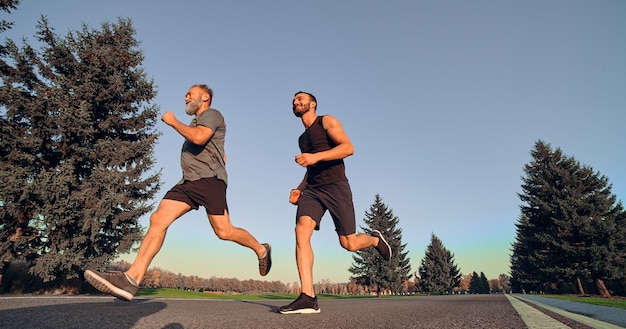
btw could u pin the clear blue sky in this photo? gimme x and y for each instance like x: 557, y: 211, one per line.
x: 443, y: 101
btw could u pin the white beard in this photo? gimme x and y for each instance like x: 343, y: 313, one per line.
x: 192, y: 107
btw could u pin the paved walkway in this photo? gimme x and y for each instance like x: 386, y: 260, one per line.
x: 591, y: 315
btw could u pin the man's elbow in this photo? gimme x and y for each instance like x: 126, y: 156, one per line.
x: 198, y: 140
x: 349, y: 150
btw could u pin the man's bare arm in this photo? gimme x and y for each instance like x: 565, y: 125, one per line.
x: 198, y: 135
x: 343, y: 149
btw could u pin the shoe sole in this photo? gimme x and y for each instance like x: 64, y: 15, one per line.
x: 301, y: 311
x: 106, y: 287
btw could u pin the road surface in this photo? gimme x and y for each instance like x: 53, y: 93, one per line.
x: 458, y: 311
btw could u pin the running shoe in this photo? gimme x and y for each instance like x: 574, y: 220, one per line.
x: 114, y: 283
x: 383, y: 247
x: 304, y: 304
x: 265, y: 263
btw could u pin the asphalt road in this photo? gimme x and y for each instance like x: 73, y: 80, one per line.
x: 466, y: 311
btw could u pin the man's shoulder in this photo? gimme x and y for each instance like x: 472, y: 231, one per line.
x: 211, y: 114
x: 328, y: 120
x: 213, y: 111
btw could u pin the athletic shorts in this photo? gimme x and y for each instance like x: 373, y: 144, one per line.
x: 207, y: 192
x: 336, y: 198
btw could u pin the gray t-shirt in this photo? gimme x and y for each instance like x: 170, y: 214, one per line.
x: 203, y: 161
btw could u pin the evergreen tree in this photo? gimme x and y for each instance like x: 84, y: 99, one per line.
x: 479, y: 284
x: 369, y: 268
x: 438, y: 271
x: 617, y: 257
x: 484, y: 284
x: 526, y: 276
x: 76, y: 149
x: 475, y: 286
x: 455, y: 272
x: 569, y: 232
x: 7, y: 6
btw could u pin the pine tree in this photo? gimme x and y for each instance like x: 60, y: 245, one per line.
x: 568, y: 234
x: 526, y: 274
x: 479, y: 284
x: 475, y: 284
x: 455, y: 273
x: 76, y: 143
x: 438, y: 271
x: 7, y: 6
x: 368, y: 268
x: 484, y: 283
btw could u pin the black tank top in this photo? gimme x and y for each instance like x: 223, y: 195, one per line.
x: 313, y: 140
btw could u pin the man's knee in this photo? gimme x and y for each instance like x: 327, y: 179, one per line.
x: 222, y: 226
x: 348, y: 242
x: 159, y: 222
x: 305, y: 226
x: 167, y: 212
x: 224, y: 233
x: 304, y: 230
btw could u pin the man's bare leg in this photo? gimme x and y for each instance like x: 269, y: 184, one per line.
x: 120, y: 284
x: 167, y: 212
x: 354, y: 242
x: 225, y: 230
x: 304, y: 253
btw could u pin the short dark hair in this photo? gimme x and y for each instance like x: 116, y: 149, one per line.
x: 310, y: 95
x: 205, y: 88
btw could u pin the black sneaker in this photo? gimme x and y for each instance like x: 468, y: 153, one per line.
x: 383, y: 247
x: 304, y: 304
x: 114, y: 283
x: 265, y: 263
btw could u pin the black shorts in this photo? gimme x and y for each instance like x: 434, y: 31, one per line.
x: 336, y: 198
x: 207, y: 192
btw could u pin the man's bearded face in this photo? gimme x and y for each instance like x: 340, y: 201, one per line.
x: 300, y: 109
x: 193, y: 106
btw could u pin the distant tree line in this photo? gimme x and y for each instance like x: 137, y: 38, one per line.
x: 159, y: 278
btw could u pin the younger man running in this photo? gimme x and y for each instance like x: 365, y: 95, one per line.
x: 324, y: 145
